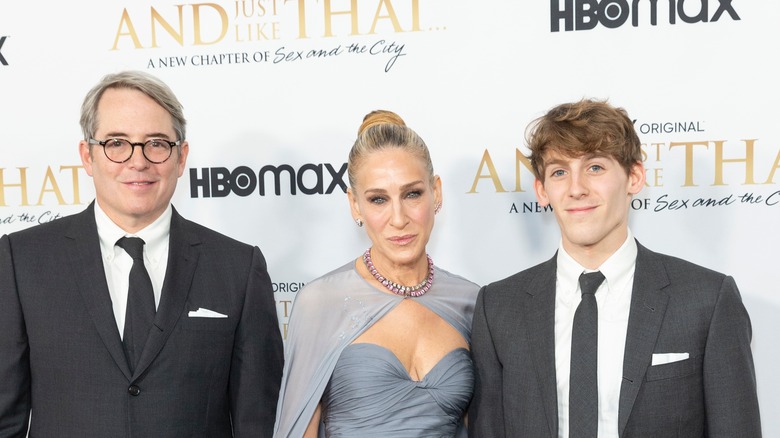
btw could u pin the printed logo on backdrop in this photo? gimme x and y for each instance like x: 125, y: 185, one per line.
x: 704, y: 172
x: 3, y: 61
x: 31, y: 196
x: 244, y: 32
x: 589, y: 14
x: 308, y: 179
x: 285, y: 295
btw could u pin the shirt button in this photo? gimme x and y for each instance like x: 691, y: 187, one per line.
x: 134, y: 390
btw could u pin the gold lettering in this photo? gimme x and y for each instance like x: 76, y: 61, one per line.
x: 493, y: 175
x: 415, y: 16
x: 285, y: 306
x: 521, y: 159
x: 156, y: 17
x: 301, y: 19
x: 49, y: 179
x: 775, y: 166
x: 125, y: 20
x: 22, y: 185
x: 719, y: 161
x: 199, y: 41
x: 329, y: 13
x: 654, y: 178
x: 74, y: 172
x: 390, y: 15
x: 688, y: 158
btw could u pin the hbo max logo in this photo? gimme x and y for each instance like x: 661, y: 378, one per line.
x: 309, y: 179
x: 587, y: 14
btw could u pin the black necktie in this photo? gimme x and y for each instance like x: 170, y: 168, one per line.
x: 583, y: 381
x: 140, y: 302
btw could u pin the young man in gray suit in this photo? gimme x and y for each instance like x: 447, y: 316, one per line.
x: 127, y: 320
x: 663, y: 347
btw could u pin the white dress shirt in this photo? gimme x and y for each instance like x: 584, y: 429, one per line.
x: 614, y: 301
x: 117, y: 263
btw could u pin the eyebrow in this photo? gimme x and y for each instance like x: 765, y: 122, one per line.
x: 403, y: 187
x: 586, y: 157
x: 150, y: 135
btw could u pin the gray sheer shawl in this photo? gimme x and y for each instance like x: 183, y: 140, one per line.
x: 333, y: 310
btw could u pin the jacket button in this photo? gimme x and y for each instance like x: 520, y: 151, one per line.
x: 134, y: 390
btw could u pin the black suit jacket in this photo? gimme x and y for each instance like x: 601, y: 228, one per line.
x: 61, y: 354
x: 676, y: 307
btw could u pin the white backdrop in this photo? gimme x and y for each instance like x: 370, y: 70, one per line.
x: 286, y: 83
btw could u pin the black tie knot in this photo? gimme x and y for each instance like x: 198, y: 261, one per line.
x: 590, y: 282
x: 133, y: 246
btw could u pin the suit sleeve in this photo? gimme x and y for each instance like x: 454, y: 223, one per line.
x: 729, y: 376
x: 486, y: 413
x: 256, y: 370
x: 14, y: 352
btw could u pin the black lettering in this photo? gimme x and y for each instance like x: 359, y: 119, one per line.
x: 196, y: 182
x: 556, y: 15
x: 220, y: 182
x: 725, y: 6
x: 317, y: 169
x: 701, y: 17
x: 586, y: 12
x: 338, y: 178
x: 277, y: 171
x: 2, y: 58
x: 613, y: 13
x: 773, y: 198
x: 243, y: 181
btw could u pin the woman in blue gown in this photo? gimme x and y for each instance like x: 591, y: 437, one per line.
x: 380, y: 346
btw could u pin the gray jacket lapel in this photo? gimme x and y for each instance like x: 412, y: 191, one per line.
x: 182, y: 260
x: 86, y: 262
x: 648, y: 305
x: 542, y: 341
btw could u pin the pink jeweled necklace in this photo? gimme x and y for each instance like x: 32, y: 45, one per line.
x: 406, y: 291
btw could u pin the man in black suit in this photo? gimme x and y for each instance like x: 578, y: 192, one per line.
x: 607, y: 338
x: 177, y: 337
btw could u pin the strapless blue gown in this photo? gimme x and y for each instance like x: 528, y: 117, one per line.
x: 370, y: 394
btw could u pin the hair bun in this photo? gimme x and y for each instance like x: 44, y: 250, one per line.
x: 379, y: 117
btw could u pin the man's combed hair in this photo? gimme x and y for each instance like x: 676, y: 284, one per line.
x: 136, y: 80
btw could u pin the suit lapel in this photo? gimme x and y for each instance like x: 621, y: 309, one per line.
x: 182, y: 260
x: 541, y: 313
x: 87, y: 262
x: 648, y: 305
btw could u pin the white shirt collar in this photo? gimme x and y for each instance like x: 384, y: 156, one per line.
x: 155, y: 235
x: 616, y: 269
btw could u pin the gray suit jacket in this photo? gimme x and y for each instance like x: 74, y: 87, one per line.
x: 61, y: 354
x: 676, y: 307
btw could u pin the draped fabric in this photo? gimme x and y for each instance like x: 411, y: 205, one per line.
x: 371, y: 394
x: 331, y: 312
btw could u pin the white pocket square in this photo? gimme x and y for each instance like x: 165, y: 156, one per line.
x: 205, y: 313
x: 663, y: 358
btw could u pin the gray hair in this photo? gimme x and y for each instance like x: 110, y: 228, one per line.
x: 136, y: 80
x: 384, y: 134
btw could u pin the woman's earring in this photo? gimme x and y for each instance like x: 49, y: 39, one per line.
x: 438, y: 208
x: 359, y: 222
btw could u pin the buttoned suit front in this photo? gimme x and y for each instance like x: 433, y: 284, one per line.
x: 61, y: 354
x: 676, y: 307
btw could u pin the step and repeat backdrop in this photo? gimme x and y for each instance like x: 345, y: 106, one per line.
x: 274, y: 91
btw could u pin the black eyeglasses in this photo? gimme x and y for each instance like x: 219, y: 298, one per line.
x: 119, y: 150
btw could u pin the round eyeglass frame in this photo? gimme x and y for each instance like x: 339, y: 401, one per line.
x: 143, y: 145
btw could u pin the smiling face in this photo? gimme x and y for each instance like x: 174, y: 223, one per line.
x: 590, y: 196
x: 395, y: 198
x: 134, y: 193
